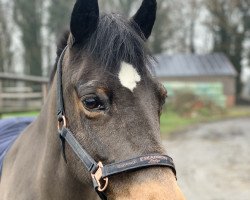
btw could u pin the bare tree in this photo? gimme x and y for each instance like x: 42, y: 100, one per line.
x: 164, y: 29
x: 27, y: 15
x: 245, y: 10
x: 171, y: 29
x: 230, y: 27
x: 193, y: 9
x: 6, y: 55
x: 59, y: 16
x: 58, y: 19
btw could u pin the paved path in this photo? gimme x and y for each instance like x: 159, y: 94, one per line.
x: 213, y: 160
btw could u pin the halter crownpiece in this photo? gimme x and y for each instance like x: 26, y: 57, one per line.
x: 98, y: 172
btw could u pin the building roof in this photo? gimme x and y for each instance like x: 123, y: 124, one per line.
x: 186, y: 65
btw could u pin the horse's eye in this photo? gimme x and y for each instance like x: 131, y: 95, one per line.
x: 93, y: 103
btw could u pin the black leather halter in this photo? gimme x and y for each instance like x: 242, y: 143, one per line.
x: 98, y: 172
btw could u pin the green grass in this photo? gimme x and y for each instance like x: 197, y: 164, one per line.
x: 21, y: 114
x: 172, y: 122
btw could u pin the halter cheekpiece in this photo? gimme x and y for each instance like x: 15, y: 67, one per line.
x: 98, y: 172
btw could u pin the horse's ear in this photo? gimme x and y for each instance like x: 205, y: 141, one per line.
x: 145, y: 17
x: 84, y: 19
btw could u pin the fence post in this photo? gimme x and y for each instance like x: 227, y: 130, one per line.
x: 33, y: 79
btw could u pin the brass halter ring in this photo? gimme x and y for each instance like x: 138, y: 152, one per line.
x: 97, y: 176
x: 62, y: 123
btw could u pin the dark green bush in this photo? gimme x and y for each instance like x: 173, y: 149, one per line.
x: 188, y: 104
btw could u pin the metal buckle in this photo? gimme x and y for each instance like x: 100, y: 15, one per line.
x: 61, y: 122
x: 97, y: 177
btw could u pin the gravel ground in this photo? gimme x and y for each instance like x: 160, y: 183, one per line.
x: 213, y: 160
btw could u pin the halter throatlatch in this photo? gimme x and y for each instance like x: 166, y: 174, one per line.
x: 99, y: 172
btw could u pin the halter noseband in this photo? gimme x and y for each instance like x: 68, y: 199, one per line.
x: 98, y: 172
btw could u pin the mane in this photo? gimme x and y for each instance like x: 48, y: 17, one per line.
x: 116, y: 39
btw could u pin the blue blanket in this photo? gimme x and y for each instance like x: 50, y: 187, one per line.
x: 10, y: 129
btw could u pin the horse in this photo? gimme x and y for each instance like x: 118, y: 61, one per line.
x: 104, y: 104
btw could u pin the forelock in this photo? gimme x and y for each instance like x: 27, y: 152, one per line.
x: 116, y: 40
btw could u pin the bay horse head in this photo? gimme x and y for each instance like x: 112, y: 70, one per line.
x: 109, y: 108
x: 112, y: 101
